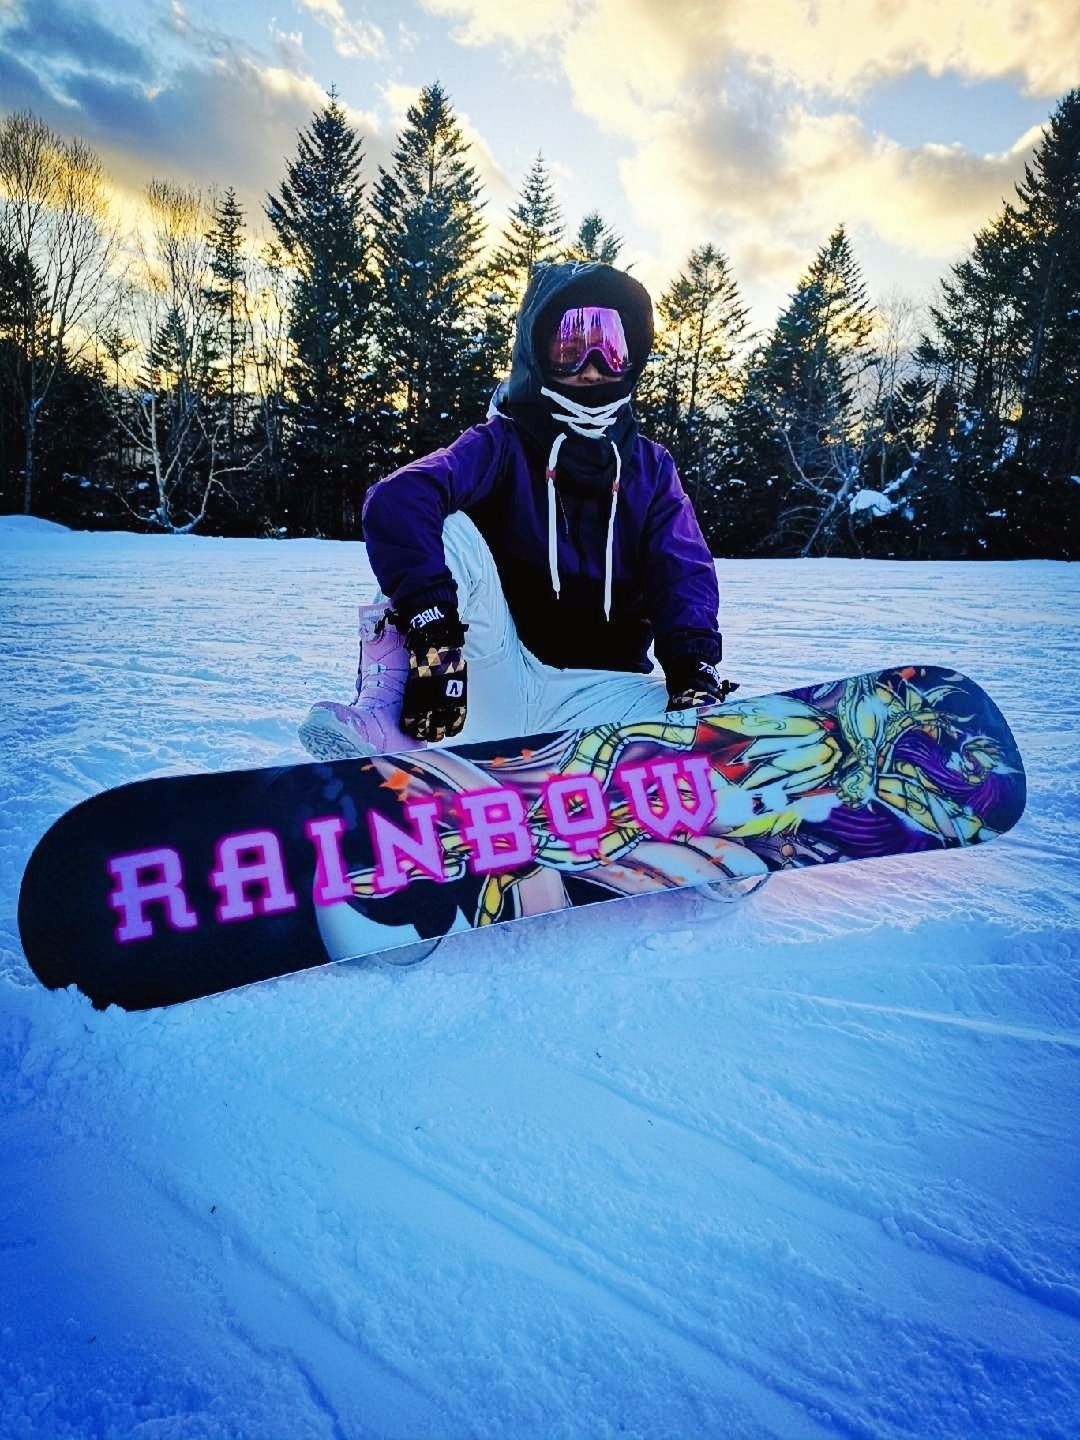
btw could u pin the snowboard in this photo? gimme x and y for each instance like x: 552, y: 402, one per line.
x: 173, y: 888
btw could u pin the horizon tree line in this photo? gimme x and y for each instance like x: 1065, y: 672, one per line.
x: 210, y: 383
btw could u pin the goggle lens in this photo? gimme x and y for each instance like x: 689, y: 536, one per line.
x: 590, y: 330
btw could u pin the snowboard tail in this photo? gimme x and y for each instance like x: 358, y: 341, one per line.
x: 169, y: 889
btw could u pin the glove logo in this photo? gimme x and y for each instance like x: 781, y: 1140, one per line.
x: 455, y: 689
x: 426, y: 617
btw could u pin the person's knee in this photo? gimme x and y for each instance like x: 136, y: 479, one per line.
x: 471, y: 563
x: 466, y: 550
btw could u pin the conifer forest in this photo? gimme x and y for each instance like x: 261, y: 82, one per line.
x: 232, y: 374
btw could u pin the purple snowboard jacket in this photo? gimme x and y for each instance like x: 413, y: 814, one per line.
x: 656, y: 564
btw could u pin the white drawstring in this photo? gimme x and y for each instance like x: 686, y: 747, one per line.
x: 609, y: 548
x: 593, y: 422
x: 553, y: 532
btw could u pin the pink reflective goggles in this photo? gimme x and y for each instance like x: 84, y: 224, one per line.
x: 590, y: 330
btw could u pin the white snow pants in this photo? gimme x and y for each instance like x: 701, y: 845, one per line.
x: 511, y: 692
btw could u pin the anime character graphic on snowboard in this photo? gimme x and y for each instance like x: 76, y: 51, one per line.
x: 896, y: 762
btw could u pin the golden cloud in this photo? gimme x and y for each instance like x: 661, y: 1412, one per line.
x: 770, y: 198
x: 835, y: 46
x: 844, y: 46
x: 741, y: 116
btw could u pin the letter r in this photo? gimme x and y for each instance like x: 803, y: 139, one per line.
x: 146, y: 877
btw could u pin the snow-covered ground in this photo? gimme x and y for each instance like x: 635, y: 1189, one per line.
x: 803, y: 1165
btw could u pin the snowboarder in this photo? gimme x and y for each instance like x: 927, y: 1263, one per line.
x: 554, y: 534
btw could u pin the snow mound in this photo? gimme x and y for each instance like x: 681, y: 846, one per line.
x: 31, y: 525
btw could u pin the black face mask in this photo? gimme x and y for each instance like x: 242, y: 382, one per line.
x: 585, y: 463
x: 600, y: 394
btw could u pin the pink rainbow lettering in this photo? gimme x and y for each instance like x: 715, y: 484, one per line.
x: 665, y: 796
x: 135, y: 889
x: 392, y: 845
x: 658, y: 781
x: 575, y: 805
x: 496, y: 832
x: 252, y: 858
x: 332, y: 881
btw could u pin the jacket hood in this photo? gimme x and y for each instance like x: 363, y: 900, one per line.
x: 555, y: 288
x: 585, y: 433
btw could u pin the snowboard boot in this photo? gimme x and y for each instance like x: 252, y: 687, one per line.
x: 369, y: 726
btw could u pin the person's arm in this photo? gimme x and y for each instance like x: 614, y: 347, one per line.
x: 403, y: 522
x: 683, y: 597
x: 404, y: 515
x: 682, y: 593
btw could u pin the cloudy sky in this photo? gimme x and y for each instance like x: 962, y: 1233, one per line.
x: 758, y: 125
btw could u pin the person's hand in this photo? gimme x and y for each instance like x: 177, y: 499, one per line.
x: 692, y: 682
x: 436, y: 688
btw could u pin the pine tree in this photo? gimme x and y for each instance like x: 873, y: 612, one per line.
x: 226, y: 296
x: 1048, y: 213
x: 427, y: 235
x: 692, y: 380
x: 73, y: 435
x: 320, y: 220
x: 804, y: 388
x: 1003, y: 359
x: 532, y: 237
x: 534, y: 230
x: 595, y: 241
x: 22, y: 321
x: 971, y: 361
x: 978, y: 343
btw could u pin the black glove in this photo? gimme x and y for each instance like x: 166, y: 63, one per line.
x: 692, y: 681
x: 436, y: 687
